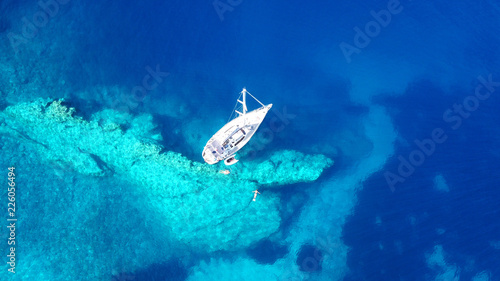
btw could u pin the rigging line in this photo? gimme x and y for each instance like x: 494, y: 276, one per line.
x: 255, y: 98
x: 235, y: 107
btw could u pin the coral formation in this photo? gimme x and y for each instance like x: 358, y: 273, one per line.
x: 187, y: 201
x: 287, y: 166
x: 240, y: 269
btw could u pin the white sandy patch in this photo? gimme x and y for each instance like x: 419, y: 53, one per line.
x: 440, y: 184
x: 444, y: 270
x: 482, y: 276
x: 323, y: 218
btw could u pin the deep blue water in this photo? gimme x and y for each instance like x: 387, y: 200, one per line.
x: 425, y: 59
x: 411, y: 215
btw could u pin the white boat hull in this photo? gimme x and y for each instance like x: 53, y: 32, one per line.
x: 233, y: 136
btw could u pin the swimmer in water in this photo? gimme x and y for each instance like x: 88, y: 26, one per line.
x: 255, y: 192
x: 225, y: 172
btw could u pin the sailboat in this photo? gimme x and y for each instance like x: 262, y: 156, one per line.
x: 236, y: 133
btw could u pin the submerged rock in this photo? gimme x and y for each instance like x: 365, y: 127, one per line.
x: 285, y: 167
x: 187, y: 201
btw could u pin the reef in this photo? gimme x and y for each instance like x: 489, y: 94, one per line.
x: 284, y: 167
x: 240, y: 269
x: 186, y: 201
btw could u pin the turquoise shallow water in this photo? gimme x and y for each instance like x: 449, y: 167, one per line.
x: 377, y: 162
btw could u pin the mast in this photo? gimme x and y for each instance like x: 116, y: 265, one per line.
x: 243, y: 102
x: 244, y: 92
